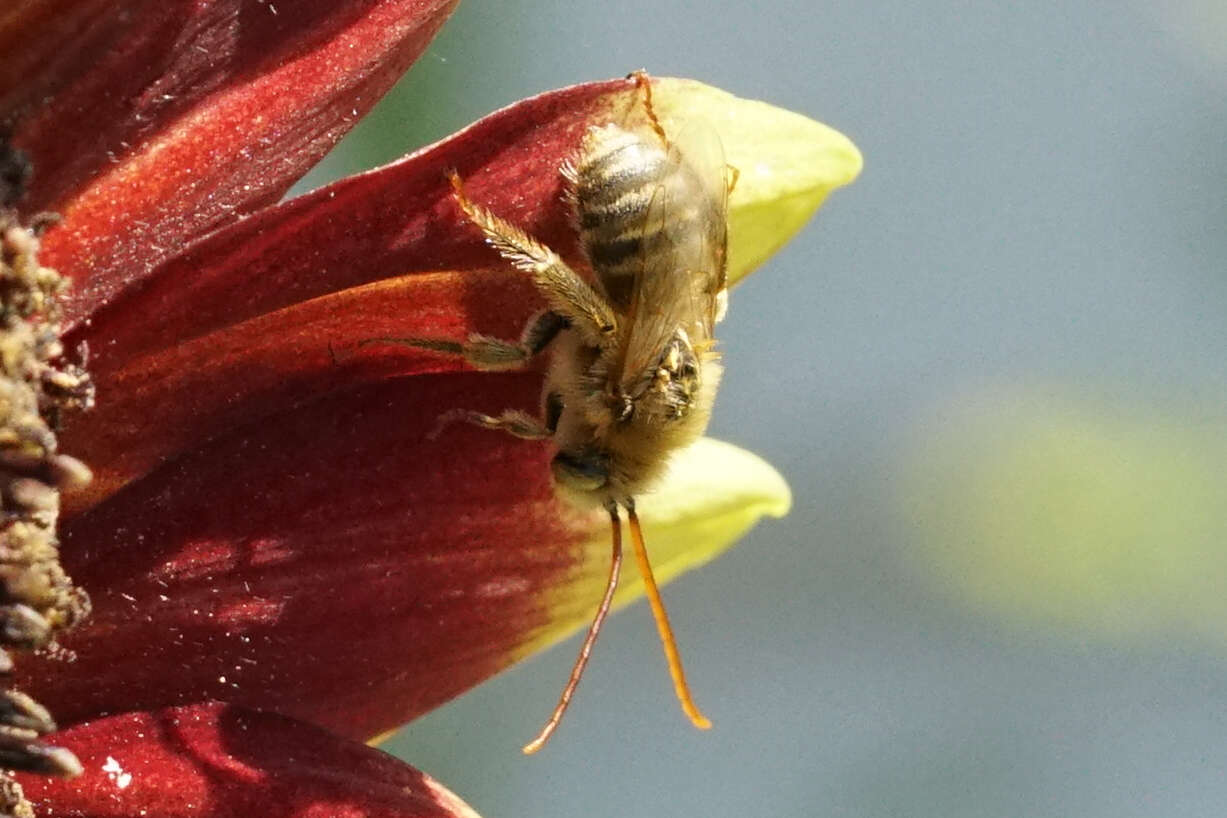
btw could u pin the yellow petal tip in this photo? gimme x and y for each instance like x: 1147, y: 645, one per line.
x: 710, y: 477
x: 787, y: 164
x: 711, y: 495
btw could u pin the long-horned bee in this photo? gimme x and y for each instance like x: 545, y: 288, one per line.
x: 634, y: 368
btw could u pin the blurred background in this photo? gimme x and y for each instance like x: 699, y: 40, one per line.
x: 993, y: 371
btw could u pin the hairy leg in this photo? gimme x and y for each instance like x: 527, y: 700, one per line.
x: 513, y: 422
x: 486, y: 352
x: 567, y: 293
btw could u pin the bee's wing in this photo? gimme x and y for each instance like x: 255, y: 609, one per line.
x: 682, y: 277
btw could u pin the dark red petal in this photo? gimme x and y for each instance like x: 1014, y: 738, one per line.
x: 332, y: 563
x: 153, y: 121
x: 171, y: 401
x: 218, y: 761
x: 396, y: 220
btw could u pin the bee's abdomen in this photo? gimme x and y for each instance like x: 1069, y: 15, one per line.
x: 616, y: 178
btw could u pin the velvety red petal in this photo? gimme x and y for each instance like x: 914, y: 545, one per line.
x: 333, y: 563
x: 218, y: 761
x: 173, y: 400
x: 151, y: 122
x: 396, y: 220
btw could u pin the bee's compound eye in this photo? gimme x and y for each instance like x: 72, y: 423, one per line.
x: 581, y: 472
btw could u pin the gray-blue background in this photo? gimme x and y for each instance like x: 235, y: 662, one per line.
x: 1037, y: 240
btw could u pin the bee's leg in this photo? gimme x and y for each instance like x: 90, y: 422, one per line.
x: 485, y: 352
x: 553, y: 411
x: 515, y: 423
x: 541, y: 331
x: 644, y: 84
x: 568, y: 294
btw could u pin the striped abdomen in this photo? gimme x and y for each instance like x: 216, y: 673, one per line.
x: 634, y: 197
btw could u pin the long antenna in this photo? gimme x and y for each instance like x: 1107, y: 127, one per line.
x: 581, y: 661
x: 667, y: 640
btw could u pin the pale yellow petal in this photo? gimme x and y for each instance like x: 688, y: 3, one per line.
x: 787, y: 163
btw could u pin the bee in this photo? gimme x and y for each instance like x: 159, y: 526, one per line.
x: 634, y: 368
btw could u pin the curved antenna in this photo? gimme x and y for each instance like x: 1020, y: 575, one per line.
x: 667, y: 640
x: 581, y: 661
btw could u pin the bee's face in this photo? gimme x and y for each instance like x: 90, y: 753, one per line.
x: 585, y: 472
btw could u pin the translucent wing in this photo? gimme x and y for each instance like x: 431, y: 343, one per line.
x: 682, y: 275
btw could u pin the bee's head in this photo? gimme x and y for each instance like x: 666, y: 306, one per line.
x: 584, y: 472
